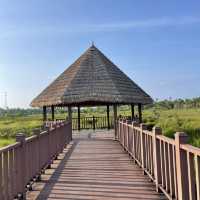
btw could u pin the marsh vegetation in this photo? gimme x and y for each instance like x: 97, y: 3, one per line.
x: 171, y: 116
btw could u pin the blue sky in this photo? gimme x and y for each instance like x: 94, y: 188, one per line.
x: 157, y: 43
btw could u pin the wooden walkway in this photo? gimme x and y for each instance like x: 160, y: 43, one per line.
x: 94, y: 168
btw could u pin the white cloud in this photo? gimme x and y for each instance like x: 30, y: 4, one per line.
x: 59, y: 28
x: 147, y: 23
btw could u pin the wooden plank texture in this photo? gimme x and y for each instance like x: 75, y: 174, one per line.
x: 97, y: 168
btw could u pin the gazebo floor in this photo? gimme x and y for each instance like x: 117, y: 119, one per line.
x: 94, y: 167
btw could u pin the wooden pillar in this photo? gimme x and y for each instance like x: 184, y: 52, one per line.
x: 52, y: 113
x: 181, y: 166
x: 79, y: 118
x: 115, y: 120
x: 70, y: 120
x: 108, y: 116
x: 69, y: 113
x: 44, y: 113
x: 140, y: 112
x: 93, y: 121
x: 132, y: 112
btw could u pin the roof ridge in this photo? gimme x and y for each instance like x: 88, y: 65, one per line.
x: 107, y: 68
x: 79, y: 67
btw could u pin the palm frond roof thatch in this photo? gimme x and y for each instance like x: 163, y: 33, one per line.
x: 92, y: 78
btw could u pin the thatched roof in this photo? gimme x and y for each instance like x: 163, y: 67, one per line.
x: 92, y: 79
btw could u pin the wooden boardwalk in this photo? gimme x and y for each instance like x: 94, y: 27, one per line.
x: 94, y: 168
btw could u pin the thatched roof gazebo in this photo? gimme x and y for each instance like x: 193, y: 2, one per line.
x: 92, y: 80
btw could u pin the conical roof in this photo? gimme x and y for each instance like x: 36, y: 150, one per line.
x: 92, y: 79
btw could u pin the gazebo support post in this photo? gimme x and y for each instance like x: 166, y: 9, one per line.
x: 132, y: 112
x: 70, y: 119
x: 115, y: 120
x: 52, y: 113
x: 140, y: 112
x: 79, y: 118
x: 108, y: 117
x: 44, y: 113
x: 69, y: 113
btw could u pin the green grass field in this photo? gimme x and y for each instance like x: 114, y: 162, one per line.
x: 187, y: 120
x: 10, y: 126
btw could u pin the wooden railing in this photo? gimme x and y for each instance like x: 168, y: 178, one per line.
x: 172, y: 164
x: 23, y: 162
x: 92, y: 123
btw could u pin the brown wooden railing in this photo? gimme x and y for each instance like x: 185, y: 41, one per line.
x: 22, y: 163
x: 92, y: 123
x: 172, y: 164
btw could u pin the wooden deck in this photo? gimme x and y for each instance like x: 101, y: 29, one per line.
x: 94, y: 167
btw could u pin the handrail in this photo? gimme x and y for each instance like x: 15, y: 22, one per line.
x: 24, y: 161
x: 92, y: 122
x: 172, y: 164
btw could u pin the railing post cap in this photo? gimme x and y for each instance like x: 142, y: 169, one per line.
x: 182, y: 137
x: 128, y: 121
x: 36, y: 131
x: 134, y: 123
x: 157, y: 130
x: 20, y: 137
x: 181, y: 134
x: 143, y: 126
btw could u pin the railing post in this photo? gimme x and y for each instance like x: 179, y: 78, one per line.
x: 143, y: 153
x: 93, y: 120
x: 21, y: 138
x: 79, y: 118
x: 108, y: 116
x: 124, y: 132
x: 181, y: 166
x: 156, y: 157
x: 44, y: 113
x: 134, y: 124
x: 127, y: 123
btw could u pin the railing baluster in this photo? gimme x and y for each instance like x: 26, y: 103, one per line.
x: 171, y: 171
x: 152, y: 157
x: 134, y: 141
x: 197, y: 167
x: 166, y: 163
x: 148, y: 154
x: 156, y: 154
x: 191, y: 176
x: 1, y: 177
x: 11, y: 174
x: 5, y: 174
x: 142, y: 143
x: 162, y: 163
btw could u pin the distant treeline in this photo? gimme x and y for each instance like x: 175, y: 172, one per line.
x: 19, y: 111
x: 178, y: 103
x: 164, y: 104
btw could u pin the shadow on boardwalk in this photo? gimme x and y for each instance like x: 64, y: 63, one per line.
x: 95, y: 168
